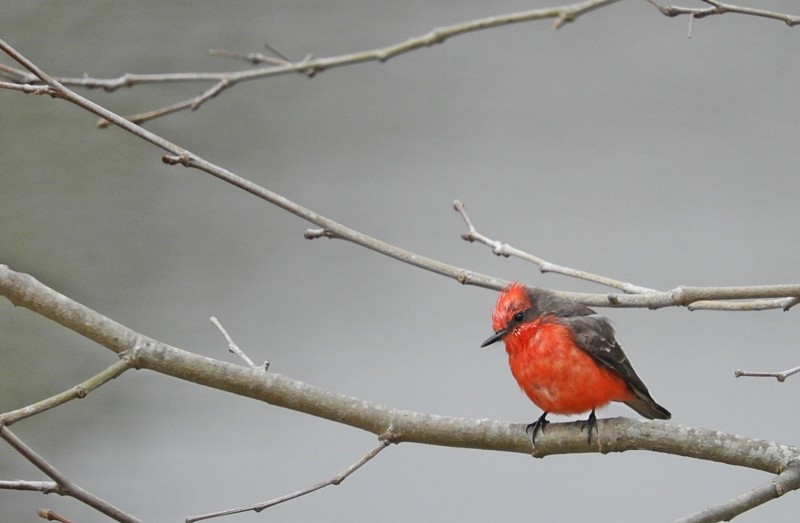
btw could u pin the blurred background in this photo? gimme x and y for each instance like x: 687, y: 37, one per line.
x: 615, y: 145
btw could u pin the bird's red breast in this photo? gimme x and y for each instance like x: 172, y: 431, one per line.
x: 556, y: 374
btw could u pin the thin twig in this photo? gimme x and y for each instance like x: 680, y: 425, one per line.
x: 45, y: 487
x: 780, y: 376
x: 787, y: 481
x: 719, y: 8
x: 51, y: 515
x: 26, y: 88
x: 692, y: 303
x: 680, y: 296
x: 335, y: 480
x: 252, y: 58
x: 310, y: 67
x: 504, y: 249
x: 17, y: 75
x: 76, y: 392
x: 68, y: 488
x: 233, y: 348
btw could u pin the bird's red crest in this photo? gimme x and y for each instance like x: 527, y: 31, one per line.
x: 512, y: 299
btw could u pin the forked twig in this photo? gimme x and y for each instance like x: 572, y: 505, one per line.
x: 780, y: 376
x: 309, y: 66
x: 66, y: 486
x: 720, y: 8
x: 745, y: 304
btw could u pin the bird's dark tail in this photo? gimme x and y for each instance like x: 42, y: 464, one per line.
x: 647, y: 407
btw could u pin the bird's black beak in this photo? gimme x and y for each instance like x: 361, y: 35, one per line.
x: 494, y: 338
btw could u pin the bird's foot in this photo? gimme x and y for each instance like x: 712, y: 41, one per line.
x: 536, y: 426
x: 592, y: 424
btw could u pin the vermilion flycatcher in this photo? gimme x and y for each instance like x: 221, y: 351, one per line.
x: 565, y: 358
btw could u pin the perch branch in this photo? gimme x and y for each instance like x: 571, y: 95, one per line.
x: 395, y: 425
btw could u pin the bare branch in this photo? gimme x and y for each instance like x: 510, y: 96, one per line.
x: 26, y: 88
x: 67, y: 487
x: 335, y: 480
x: 719, y: 8
x: 504, y: 249
x: 17, y: 75
x: 780, y: 376
x: 45, y: 487
x: 76, y: 392
x: 395, y: 425
x: 786, y: 481
x: 655, y: 299
x: 680, y: 296
x: 51, y: 515
x: 233, y: 348
x: 309, y: 66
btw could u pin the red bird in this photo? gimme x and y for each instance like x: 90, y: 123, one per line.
x: 565, y: 358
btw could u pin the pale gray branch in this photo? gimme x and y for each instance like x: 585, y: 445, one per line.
x: 66, y: 486
x: 45, y: 487
x: 504, y: 249
x: 308, y: 66
x: 311, y: 66
x: 780, y: 376
x: 335, y: 480
x: 720, y: 8
x: 232, y: 347
x: 787, y: 481
x: 680, y: 296
x: 389, y: 424
x: 76, y: 392
x: 694, y: 298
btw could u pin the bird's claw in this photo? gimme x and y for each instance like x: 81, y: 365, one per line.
x: 537, y: 426
x: 592, y: 424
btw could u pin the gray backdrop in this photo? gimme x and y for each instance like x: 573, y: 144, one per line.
x: 615, y: 145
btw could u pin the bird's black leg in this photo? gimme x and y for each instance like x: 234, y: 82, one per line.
x: 592, y: 424
x: 537, y: 426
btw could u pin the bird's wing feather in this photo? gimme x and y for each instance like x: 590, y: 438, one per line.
x: 595, y: 335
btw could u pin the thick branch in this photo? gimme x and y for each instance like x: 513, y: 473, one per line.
x: 390, y: 424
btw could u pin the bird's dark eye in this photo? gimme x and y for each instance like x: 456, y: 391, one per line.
x: 518, y: 317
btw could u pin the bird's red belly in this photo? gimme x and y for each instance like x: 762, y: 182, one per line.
x: 558, y: 376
